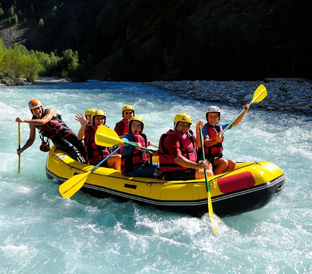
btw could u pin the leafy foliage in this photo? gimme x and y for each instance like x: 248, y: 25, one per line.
x: 23, y: 63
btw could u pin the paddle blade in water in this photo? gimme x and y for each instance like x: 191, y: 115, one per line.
x: 72, y: 185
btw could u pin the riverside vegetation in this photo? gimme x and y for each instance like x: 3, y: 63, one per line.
x: 18, y: 62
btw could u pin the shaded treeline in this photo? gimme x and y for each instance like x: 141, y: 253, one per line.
x: 144, y: 40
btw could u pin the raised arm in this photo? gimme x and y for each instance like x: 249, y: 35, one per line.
x: 83, y: 123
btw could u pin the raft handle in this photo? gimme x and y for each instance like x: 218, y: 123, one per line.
x: 279, y: 189
x: 130, y: 186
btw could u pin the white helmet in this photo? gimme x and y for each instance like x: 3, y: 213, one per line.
x: 213, y: 109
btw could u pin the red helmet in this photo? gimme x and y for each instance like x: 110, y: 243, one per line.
x: 34, y: 103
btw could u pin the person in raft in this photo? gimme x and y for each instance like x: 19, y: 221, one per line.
x: 213, y: 139
x: 51, y: 125
x: 96, y: 153
x: 134, y: 160
x: 87, y: 119
x: 122, y: 127
x: 177, y: 152
x: 88, y: 115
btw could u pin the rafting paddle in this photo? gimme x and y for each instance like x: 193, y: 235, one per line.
x: 210, y: 210
x: 259, y: 94
x: 19, y: 147
x: 107, y: 137
x: 72, y: 185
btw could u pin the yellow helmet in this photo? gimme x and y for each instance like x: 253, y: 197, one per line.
x: 127, y: 107
x: 89, y: 111
x: 182, y: 117
x: 34, y: 103
x: 139, y: 119
x: 98, y: 112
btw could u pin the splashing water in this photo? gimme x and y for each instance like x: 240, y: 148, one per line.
x: 43, y: 233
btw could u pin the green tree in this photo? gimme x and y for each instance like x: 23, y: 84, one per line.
x: 15, y: 19
x: 11, y: 11
x: 20, y: 48
x: 54, y: 11
x: 1, y: 52
x: 12, y: 61
x: 41, y: 23
x: 70, y: 60
x: 31, y: 66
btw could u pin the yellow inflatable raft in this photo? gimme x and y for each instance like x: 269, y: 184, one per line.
x: 250, y: 186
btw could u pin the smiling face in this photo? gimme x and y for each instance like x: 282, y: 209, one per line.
x: 128, y: 114
x: 213, y: 118
x: 136, y: 127
x: 37, y: 112
x: 99, y: 120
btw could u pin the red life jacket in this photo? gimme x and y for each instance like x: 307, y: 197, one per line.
x: 94, y: 152
x: 216, y: 149
x: 122, y: 127
x: 136, y: 158
x: 54, y: 128
x: 187, y: 147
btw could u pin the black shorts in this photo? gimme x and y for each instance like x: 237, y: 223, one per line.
x: 185, y: 174
x: 211, y: 160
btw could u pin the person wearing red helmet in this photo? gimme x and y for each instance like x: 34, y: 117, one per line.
x: 51, y: 125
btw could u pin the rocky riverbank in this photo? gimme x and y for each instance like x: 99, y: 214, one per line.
x: 8, y: 80
x: 293, y: 95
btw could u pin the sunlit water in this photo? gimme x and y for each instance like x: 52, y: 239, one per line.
x: 43, y: 233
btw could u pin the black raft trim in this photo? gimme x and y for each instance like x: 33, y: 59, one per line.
x: 130, y: 186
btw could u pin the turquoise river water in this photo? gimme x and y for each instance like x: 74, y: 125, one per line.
x: 40, y: 232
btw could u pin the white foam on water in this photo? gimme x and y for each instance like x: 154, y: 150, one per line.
x: 43, y: 233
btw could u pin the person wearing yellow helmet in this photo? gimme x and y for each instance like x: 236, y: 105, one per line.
x: 96, y: 153
x: 88, y: 113
x: 127, y: 113
x: 213, y: 139
x: 177, y: 152
x: 84, y: 121
x: 51, y: 126
x: 134, y: 161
